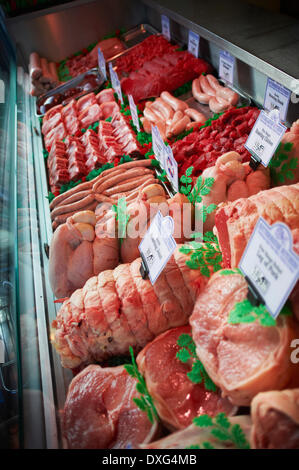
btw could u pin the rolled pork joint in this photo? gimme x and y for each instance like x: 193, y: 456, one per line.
x: 196, y: 436
x: 275, y: 420
x: 242, y: 359
x: 291, y: 137
x: 177, y: 399
x: 235, y: 221
x: 118, y: 309
x: 100, y: 413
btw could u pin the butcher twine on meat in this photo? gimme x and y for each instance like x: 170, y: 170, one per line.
x: 118, y: 309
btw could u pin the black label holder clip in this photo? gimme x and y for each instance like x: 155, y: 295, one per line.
x: 254, y: 162
x: 143, y: 267
x: 253, y: 295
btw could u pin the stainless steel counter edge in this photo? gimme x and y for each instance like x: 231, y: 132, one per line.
x: 292, y: 83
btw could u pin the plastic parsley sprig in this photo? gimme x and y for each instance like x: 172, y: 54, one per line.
x: 205, y: 256
x: 223, y: 430
x: 198, y: 374
x: 145, y: 402
x: 122, y: 217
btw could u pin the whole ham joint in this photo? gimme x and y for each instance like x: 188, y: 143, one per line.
x: 235, y: 221
x: 275, y: 420
x: 176, y: 398
x: 100, y: 413
x: 246, y: 358
x: 118, y: 309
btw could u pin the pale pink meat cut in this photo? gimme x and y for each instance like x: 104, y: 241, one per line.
x: 275, y: 420
x: 99, y: 411
x: 177, y: 399
x: 246, y: 358
x: 137, y: 311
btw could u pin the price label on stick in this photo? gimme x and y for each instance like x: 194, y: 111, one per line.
x: 134, y: 112
x: 193, y: 43
x: 171, y: 167
x: 277, y: 97
x: 270, y: 264
x: 265, y: 136
x: 115, y: 83
x: 165, y: 27
x: 158, y: 145
x: 226, y: 67
x: 157, y: 246
x: 102, y: 63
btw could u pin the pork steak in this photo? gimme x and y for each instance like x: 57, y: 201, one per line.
x: 246, y: 358
x: 177, y: 399
x: 99, y: 411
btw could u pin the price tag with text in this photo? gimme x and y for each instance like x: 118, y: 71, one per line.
x: 165, y: 27
x: 226, y: 67
x: 270, y: 264
x: 265, y: 136
x: 277, y: 97
x: 193, y: 43
x: 102, y: 63
x: 171, y: 167
x: 158, y: 145
x: 157, y: 245
x: 134, y: 113
x: 115, y: 83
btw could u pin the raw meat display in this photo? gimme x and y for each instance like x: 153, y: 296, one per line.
x: 43, y: 75
x: 198, y: 436
x: 233, y: 180
x: 165, y: 73
x: 235, y: 221
x: 207, y: 90
x: 118, y: 309
x: 107, y: 187
x: 246, y: 358
x: 176, y: 398
x: 81, y: 63
x: 151, y: 47
x: 275, y: 420
x: 202, y: 147
x: 171, y: 115
x: 99, y: 411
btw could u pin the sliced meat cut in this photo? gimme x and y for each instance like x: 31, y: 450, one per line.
x: 197, y: 436
x: 275, y: 420
x: 177, y: 399
x: 99, y: 411
x: 235, y: 221
x: 246, y: 358
x: 80, y: 328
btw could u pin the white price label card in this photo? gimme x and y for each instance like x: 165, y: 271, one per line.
x: 193, y: 43
x: 115, y: 83
x: 134, y: 112
x: 265, y: 136
x: 171, y: 167
x: 271, y: 264
x: 277, y: 97
x: 165, y: 27
x: 158, y: 245
x: 102, y: 63
x: 226, y: 67
x: 158, y: 145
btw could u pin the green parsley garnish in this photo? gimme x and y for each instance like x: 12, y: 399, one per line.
x: 198, y: 373
x: 285, y: 170
x: 205, y: 256
x: 244, y: 312
x: 145, y: 402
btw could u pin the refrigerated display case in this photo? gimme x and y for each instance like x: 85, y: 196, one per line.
x: 33, y: 384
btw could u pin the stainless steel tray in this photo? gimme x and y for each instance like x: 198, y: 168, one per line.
x: 68, y: 86
x: 136, y: 35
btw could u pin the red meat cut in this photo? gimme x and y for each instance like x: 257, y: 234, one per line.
x: 177, y: 399
x: 99, y: 411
